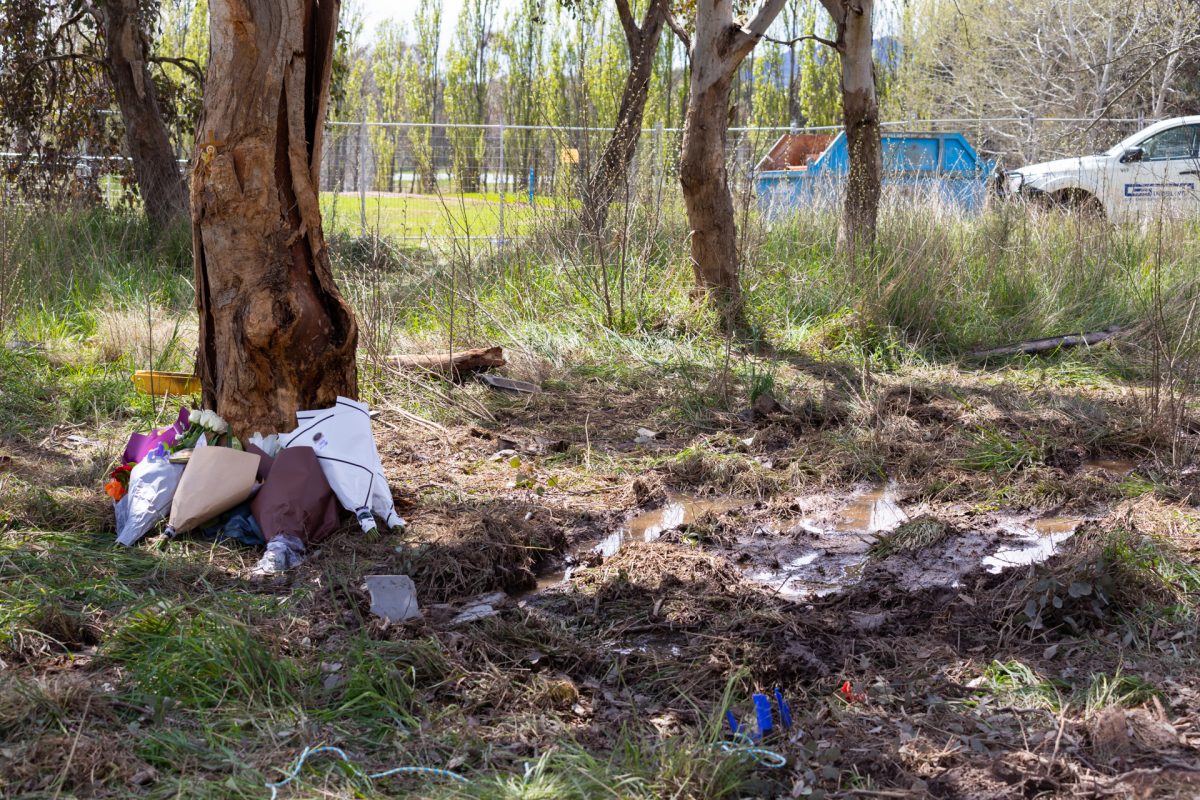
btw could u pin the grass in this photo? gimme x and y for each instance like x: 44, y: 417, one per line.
x: 421, y: 217
x: 166, y: 658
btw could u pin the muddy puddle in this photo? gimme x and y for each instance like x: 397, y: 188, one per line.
x: 1113, y: 466
x: 828, y: 549
x: 647, y: 527
x: 1037, y: 541
x: 827, y: 552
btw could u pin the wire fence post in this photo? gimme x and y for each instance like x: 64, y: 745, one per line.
x: 362, y: 172
x: 500, y: 181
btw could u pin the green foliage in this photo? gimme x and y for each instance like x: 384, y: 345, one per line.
x: 200, y: 658
x: 994, y: 450
x: 1104, y: 575
x: 1016, y: 683
x: 470, y: 66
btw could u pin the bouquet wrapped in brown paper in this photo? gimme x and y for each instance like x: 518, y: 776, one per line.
x: 215, y: 480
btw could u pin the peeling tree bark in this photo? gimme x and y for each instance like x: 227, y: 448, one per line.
x: 158, y: 176
x: 611, y: 173
x: 275, y: 334
x: 716, y: 52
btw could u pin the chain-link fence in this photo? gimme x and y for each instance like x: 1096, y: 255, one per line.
x: 435, y: 181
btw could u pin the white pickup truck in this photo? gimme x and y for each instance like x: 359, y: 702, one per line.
x: 1154, y: 173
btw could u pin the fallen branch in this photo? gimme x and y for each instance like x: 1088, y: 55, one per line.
x: 453, y: 364
x: 1049, y: 344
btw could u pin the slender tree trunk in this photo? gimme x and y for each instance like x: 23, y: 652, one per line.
x: 860, y: 109
x: 705, y: 184
x: 275, y: 334
x: 158, y: 176
x: 613, y: 168
x: 717, y: 50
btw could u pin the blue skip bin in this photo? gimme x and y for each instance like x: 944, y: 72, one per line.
x: 802, y: 170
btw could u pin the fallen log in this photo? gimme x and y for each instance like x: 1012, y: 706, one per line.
x: 454, y: 364
x: 1049, y: 344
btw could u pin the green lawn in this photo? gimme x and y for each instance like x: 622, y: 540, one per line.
x: 474, y: 214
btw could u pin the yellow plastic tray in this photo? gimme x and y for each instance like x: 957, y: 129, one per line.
x: 161, y: 383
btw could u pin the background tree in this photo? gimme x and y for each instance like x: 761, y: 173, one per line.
x: 423, y: 89
x: 819, y: 73
x: 53, y: 56
x: 717, y: 48
x: 522, y: 45
x: 388, y: 58
x: 275, y: 334
x: 853, y: 22
x: 468, y: 75
x: 612, y: 168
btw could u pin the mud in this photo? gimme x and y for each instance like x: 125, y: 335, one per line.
x: 836, y: 541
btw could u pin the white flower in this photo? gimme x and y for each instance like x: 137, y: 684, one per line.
x: 209, y: 420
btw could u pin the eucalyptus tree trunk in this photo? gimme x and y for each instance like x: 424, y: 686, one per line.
x: 126, y: 60
x: 717, y: 50
x: 612, y: 170
x: 860, y: 111
x: 275, y: 334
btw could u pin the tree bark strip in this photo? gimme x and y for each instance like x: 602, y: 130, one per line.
x: 126, y: 61
x: 705, y: 182
x: 276, y: 336
x: 453, y: 364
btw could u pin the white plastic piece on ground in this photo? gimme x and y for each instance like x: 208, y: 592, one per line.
x: 152, y: 484
x: 393, y: 597
x: 341, y: 437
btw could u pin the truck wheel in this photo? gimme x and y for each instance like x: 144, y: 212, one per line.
x: 1079, y: 202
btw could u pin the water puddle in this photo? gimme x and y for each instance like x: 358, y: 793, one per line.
x: 872, y: 511
x: 646, y: 527
x: 649, y: 526
x: 1114, y: 466
x: 829, y: 548
x: 834, y: 557
x: 1040, y: 540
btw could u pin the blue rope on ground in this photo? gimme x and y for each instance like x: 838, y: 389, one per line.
x: 759, y: 755
x: 312, y: 751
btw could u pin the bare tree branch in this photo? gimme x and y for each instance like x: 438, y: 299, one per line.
x: 680, y: 33
x: 186, y: 64
x: 798, y: 39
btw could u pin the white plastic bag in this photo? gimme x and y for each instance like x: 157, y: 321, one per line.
x: 152, y: 484
x: 341, y: 438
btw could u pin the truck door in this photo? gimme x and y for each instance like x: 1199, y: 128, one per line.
x: 1166, y: 180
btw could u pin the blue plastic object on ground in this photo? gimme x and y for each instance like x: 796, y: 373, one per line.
x: 785, y: 711
x: 762, y: 713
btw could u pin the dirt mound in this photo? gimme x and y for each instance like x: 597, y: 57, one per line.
x: 662, y: 582
x: 465, y: 550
